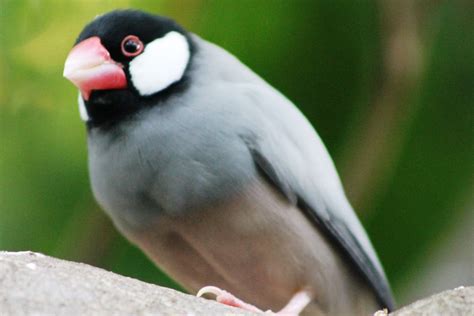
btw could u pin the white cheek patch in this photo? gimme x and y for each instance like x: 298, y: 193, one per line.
x: 82, y: 109
x: 161, y: 64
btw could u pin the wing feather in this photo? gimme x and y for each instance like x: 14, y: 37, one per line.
x: 288, y: 152
x: 337, y: 229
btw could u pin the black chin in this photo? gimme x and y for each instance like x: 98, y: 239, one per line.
x: 106, y: 108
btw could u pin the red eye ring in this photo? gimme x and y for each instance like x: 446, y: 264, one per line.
x: 131, y: 46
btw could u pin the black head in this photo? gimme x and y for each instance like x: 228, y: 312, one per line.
x: 127, y: 60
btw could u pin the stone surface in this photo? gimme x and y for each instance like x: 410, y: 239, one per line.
x: 34, y: 284
x: 457, y: 302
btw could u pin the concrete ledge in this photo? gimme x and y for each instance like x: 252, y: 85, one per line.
x: 34, y: 284
x: 457, y: 302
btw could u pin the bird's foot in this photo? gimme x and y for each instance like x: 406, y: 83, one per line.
x: 294, y: 307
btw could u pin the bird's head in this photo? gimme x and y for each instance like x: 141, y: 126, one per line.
x: 125, y: 60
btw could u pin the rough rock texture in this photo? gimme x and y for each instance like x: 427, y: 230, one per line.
x: 457, y: 302
x: 34, y: 284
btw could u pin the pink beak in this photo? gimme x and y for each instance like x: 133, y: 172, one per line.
x: 90, y: 67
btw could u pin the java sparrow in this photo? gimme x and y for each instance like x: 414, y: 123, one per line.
x: 215, y: 174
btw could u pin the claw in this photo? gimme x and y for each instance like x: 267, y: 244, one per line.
x: 209, y: 290
x: 294, y: 307
x: 226, y: 298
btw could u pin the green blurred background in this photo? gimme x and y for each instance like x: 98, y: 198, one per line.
x: 389, y: 85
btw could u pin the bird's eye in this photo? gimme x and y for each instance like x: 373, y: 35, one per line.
x: 131, y: 46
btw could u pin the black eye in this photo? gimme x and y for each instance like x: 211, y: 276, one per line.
x: 131, y: 46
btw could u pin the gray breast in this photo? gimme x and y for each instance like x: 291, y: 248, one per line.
x: 169, y: 159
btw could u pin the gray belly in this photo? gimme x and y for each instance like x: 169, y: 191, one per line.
x: 258, y: 247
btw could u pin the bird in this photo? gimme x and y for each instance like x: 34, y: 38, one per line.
x: 216, y: 175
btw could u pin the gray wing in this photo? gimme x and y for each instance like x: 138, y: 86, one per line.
x: 291, y: 156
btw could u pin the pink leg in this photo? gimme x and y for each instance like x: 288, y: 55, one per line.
x: 294, y: 307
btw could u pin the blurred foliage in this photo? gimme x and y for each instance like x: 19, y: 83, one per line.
x: 326, y: 56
